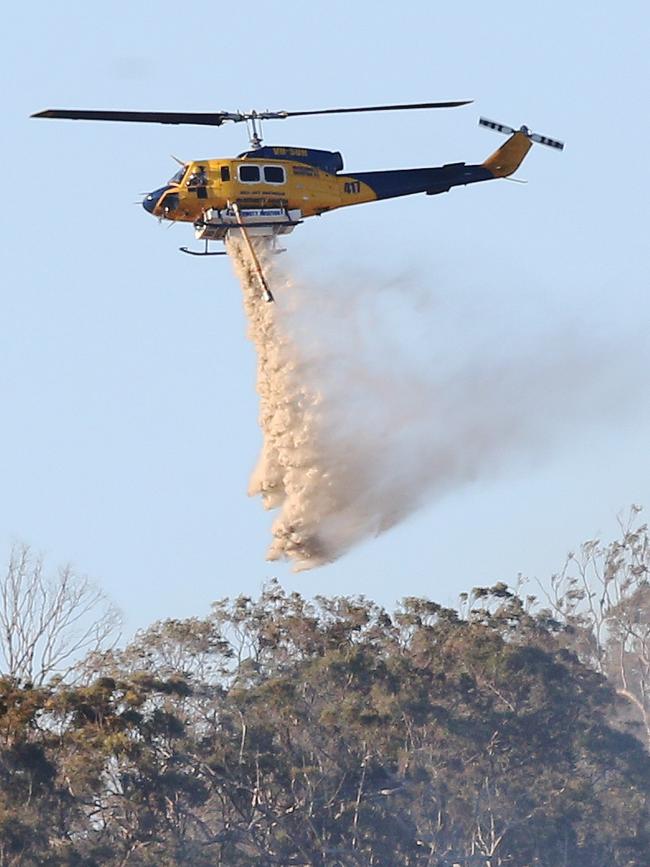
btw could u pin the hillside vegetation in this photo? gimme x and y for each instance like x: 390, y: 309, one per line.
x: 279, y: 731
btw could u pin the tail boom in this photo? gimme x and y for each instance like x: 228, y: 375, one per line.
x: 405, y: 182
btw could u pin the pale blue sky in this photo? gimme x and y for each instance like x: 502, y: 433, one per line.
x: 117, y: 353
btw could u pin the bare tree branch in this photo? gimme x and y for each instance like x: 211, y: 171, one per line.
x: 48, y: 624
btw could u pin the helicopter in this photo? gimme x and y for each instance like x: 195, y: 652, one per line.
x: 267, y: 191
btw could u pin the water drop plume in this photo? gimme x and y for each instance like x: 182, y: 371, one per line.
x: 366, y: 415
x: 292, y: 473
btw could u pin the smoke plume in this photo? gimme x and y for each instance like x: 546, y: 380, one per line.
x: 365, y: 419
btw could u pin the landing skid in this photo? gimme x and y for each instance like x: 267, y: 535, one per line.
x: 205, y: 252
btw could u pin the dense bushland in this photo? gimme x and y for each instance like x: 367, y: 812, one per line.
x: 279, y: 731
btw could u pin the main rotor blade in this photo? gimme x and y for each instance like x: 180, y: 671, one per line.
x: 201, y: 118
x: 219, y: 117
x: 405, y: 107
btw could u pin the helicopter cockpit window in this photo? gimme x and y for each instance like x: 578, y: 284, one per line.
x: 178, y: 177
x: 249, y: 174
x: 274, y: 174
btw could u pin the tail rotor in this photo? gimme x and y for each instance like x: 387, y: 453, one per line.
x: 533, y: 136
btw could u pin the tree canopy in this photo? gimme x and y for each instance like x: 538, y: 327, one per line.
x: 282, y: 731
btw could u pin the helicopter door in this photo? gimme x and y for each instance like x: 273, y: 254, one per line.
x: 198, y: 183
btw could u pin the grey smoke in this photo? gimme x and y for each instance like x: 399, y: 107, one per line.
x: 369, y: 408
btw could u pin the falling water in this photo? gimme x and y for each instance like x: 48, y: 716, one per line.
x: 291, y: 474
x: 355, y: 441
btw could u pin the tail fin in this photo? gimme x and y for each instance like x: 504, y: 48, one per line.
x: 509, y: 157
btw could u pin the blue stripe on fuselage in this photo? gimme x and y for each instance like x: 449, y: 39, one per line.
x: 404, y: 182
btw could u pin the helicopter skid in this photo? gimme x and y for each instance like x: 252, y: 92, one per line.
x: 205, y: 252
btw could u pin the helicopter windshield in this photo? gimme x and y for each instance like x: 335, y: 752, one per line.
x: 178, y: 177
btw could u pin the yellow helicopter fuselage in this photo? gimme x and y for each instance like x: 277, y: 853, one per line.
x: 278, y: 181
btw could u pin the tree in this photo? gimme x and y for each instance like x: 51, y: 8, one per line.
x: 602, y: 596
x: 48, y: 624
